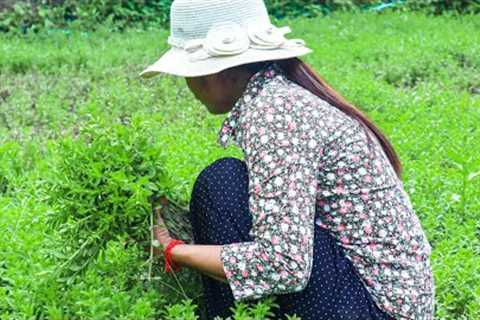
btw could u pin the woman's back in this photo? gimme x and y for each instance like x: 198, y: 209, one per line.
x: 360, y: 200
x: 363, y: 204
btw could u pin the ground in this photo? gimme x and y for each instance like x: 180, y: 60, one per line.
x: 417, y: 77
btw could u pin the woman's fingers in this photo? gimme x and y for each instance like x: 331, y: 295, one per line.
x: 160, y: 221
x: 160, y: 230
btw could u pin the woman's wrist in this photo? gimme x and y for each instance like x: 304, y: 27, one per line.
x: 170, y: 263
x: 179, y: 254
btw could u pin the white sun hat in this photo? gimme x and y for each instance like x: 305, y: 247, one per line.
x: 208, y: 36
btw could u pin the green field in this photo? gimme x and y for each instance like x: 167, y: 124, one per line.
x: 72, y: 109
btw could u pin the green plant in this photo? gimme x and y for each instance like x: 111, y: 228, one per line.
x: 184, y: 310
x: 101, y: 182
x: 47, y: 14
x: 417, y: 76
x: 438, y: 6
x: 36, y: 15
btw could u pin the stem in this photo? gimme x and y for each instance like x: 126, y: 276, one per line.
x: 75, y: 254
x: 179, y: 285
x: 160, y: 279
x: 150, y: 259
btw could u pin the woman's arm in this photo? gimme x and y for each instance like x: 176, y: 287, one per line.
x: 281, y: 145
x: 204, y: 258
x: 282, y: 158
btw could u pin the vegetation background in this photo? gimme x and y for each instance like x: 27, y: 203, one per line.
x: 20, y: 16
x: 85, y: 144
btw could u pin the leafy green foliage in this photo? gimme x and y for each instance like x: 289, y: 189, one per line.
x: 36, y: 15
x: 261, y: 310
x: 438, y: 6
x: 72, y: 105
x: 46, y: 14
x: 101, y: 182
x: 28, y: 283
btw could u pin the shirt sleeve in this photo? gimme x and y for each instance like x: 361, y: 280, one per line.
x: 280, y: 150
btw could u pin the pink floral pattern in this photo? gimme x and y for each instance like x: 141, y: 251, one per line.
x: 310, y: 163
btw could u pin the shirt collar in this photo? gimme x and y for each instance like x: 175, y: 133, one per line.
x: 228, y: 132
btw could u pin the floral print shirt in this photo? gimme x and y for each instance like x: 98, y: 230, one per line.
x: 309, y: 164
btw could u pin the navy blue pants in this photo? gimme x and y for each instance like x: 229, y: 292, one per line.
x: 219, y: 214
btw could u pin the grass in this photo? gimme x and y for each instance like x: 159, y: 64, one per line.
x: 418, y: 77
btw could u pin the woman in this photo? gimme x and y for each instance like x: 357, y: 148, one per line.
x: 316, y: 214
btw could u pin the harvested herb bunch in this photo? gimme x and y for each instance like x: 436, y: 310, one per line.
x: 102, y: 183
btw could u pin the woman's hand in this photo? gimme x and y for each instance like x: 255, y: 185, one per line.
x: 204, y: 258
x: 161, y: 233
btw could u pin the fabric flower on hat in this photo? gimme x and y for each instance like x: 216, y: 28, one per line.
x: 270, y: 37
x: 222, y: 40
x: 229, y: 39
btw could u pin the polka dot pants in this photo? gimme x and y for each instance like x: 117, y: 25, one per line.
x: 220, y: 214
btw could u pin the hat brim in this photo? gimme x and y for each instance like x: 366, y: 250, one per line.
x: 176, y: 61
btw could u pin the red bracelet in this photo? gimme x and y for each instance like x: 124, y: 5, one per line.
x: 169, y: 263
